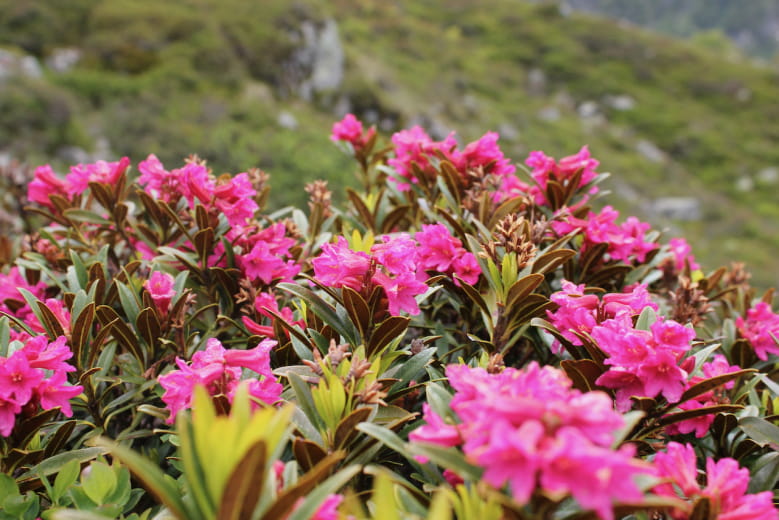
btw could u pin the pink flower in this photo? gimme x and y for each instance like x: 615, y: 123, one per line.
x: 192, y: 181
x: 682, y: 255
x: 235, y: 198
x: 44, y: 184
x: 339, y: 266
x: 102, y: 172
x: 625, y: 241
x: 60, y: 312
x: 18, y: 379
x: 760, y: 328
x: 9, y: 408
x: 436, y: 431
x: 528, y: 429
x: 442, y: 252
x: 269, y: 257
x: 726, y: 489
x: 263, y: 304
x: 161, y: 289
x: 54, y: 392
x: 486, y: 154
x: 350, y: 129
x: 219, y: 370
x: 545, y: 169
x: 9, y: 293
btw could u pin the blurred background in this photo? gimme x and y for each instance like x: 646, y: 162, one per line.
x: 679, y: 100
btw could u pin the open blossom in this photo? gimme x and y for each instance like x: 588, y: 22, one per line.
x: 416, y: 151
x: 191, y: 181
x: 44, y: 184
x: 442, y: 252
x: 264, y: 304
x: 760, y: 328
x: 9, y: 293
x: 529, y: 429
x: 578, y: 312
x: 682, y: 255
x: 391, y: 265
x: 545, y: 169
x: 350, y: 129
x: 267, y: 255
x: 726, y: 487
x: 643, y: 363
x: 102, y: 172
x: 35, y: 375
x: 700, y: 425
x: 161, y: 289
x: 220, y: 371
x: 626, y: 241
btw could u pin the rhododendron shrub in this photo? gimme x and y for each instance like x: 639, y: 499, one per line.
x: 466, y: 334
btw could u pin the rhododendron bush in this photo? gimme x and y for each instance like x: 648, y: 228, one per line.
x: 466, y: 337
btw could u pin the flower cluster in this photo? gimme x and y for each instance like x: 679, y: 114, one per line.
x: 644, y: 363
x: 440, y: 251
x: 545, y: 169
x: 220, y: 370
x: 397, y: 264
x: 11, y: 300
x: 761, y: 329
x: 529, y: 429
x: 718, y: 366
x: 726, y: 488
x: 266, y: 254
x: 350, y: 130
x: 416, y: 151
x: 231, y: 196
x: 626, y: 241
x: 35, y: 375
x: 47, y: 183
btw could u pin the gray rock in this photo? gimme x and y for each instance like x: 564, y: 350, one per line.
x: 323, y: 54
x: 13, y: 64
x: 745, y: 183
x: 287, y: 120
x: 63, y: 59
x: 678, y: 208
x: 588, y: 109
x: 621, y: 102
x: 768, y: 175
x: 650, y: 151
x: 508, y: 132
x: 549, y: 114
x: 536, y: 81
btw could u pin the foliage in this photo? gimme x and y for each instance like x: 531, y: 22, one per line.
x: 461, y: 338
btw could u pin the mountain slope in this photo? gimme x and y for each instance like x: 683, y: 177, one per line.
x: 242, y: 84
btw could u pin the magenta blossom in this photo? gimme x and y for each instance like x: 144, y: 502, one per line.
x: 726, y: 488
x: 102, y: 172
x: 35, y: 375
x: 161, y: 289
x: 528, y: 429
x: 219, y: 370
x: 44, y: 184
x: 761, y: 328
x: 350, y: 130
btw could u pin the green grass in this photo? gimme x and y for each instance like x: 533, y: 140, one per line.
x: 173, y: 78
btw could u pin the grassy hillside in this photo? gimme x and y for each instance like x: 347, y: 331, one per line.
x: 222, y: 78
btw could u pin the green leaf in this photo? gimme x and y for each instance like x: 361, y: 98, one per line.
x: 322, y: 309
x: 99, y: 482
x: 55, y: 463
x: 646, y: 319
x: 83, y: 215
x: 386, y: 436
x: 760, y: 431
x: 710, y: 384
x: 449, y: 458
x: 65, y: 478
x: 162, y: 486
